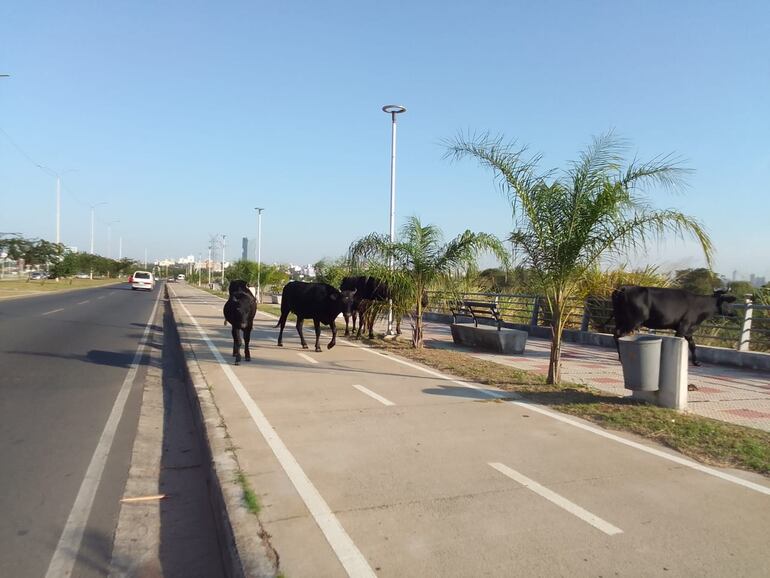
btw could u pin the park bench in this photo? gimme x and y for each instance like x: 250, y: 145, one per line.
x: 477, y: 310
x: 494, y: 337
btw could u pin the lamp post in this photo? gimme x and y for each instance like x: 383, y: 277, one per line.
x: 392, y: 110
x: 120, y: 248
x: 208, y: 265
x: 58, y: 195
x: 224, y: 243
x: 259, y: 251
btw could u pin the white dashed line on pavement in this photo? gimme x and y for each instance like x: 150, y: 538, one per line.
x: 376, y: 396
x: 307, y: 358
x: 560, y: 501
x: 84, y: 302
x: 54, y: 311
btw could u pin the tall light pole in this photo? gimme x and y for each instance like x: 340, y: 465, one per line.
x: 58, y: 196
x: 120, y: 249
x: 224, y: 242
x: 392, y: 110
x: 259, y: 251
x: 208, y: 264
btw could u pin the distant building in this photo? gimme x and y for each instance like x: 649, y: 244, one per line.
x: 245, y: 249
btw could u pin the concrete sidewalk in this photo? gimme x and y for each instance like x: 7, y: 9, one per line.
x: 368, y: 465
x: 725, y: 393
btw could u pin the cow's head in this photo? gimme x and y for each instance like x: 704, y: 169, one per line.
x: 346, y: 299
x: 238, y: 286
x: 725, y: 305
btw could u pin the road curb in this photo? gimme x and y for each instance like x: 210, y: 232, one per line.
x: 245, y: 549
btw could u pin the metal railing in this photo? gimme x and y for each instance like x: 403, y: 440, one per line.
x: 748, y: 331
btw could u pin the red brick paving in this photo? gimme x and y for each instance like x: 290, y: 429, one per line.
x: 749, y: 413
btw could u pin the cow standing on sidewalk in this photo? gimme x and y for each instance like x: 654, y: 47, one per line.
x: 239, y: 310
x: 368, y: 290
x: 662, y: 308
x: 317, y: 301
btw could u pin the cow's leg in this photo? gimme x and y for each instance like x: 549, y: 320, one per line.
x: 347, y: 324
x: 246, y: 339
x: 355, y: 317
x: 300, y: 323
x: 317, y: 326
x: 282, y: 324
x: 690, y: 343
x: 236, y: 344
x: 370, y: 322
x: 334, y: 334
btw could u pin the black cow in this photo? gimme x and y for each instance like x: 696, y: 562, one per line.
x: 660, y: 308
x: 317, y: 301
x: 239, y: 310
x: 368, y: 290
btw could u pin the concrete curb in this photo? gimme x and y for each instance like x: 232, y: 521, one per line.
x: 245, y: 549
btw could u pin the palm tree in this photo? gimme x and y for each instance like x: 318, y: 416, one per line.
x: 421, y: 257
x: 567, y: 223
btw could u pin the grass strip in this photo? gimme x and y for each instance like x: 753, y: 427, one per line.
x: 249, y: 497
x: 706, y: 440
x: 20, y: 288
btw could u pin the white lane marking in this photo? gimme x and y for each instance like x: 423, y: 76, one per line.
x: 307, y: 358
x: 101, y: 297
x: 64, y: 558
x: 84, y: 302
x: 560, y: 501
x: 589, y: 428
x: 54, y: 311
x: 376, y: 396
x: 347, y: 552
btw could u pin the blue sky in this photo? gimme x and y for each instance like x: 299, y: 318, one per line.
x: 183, y: 116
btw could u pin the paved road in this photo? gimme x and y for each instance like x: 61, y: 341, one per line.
x: 369, y: 465
x: 64, y: 361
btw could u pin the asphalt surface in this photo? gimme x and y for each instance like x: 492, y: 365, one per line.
x: 366, y: 464
x: 63, y: 360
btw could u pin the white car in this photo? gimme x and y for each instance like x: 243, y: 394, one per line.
x: 143, y: 280
x: 180, y: 277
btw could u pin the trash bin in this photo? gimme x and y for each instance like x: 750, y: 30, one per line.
x: 640, y: 358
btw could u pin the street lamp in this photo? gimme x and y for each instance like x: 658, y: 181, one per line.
x: 224, y: 242
x: 259, y: 250
x: 58, y: 196
x: 392, y: 110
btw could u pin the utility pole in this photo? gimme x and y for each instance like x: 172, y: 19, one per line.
x: 259, y: 252
x: 224, y: 243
